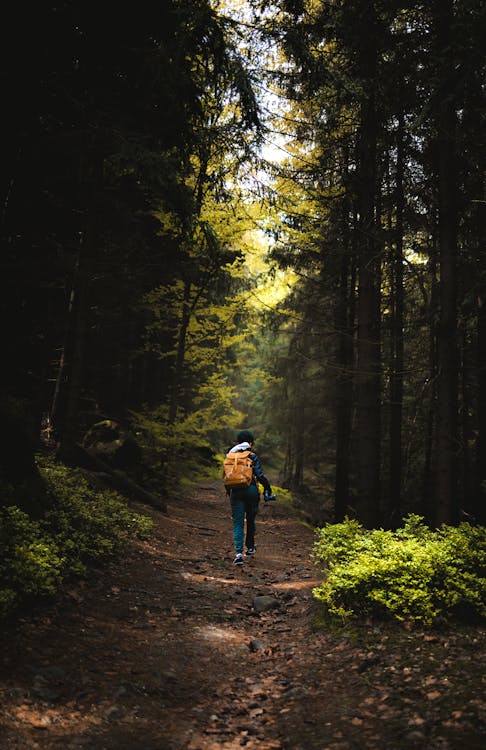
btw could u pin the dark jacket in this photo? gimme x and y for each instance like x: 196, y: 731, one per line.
x: 258, y: 474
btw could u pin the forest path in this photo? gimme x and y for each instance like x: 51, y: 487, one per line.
x: 166, y: 651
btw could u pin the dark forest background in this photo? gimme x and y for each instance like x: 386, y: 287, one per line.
x: 128, y: 141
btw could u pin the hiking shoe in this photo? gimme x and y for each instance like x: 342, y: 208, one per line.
x: 250, y: 551
x: 238, y: 559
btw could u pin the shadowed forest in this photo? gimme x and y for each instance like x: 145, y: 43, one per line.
x: 226, y: 214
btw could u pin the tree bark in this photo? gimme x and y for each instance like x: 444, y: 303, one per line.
x: 397, y: 311
x: 295, y: 463
x: 428, y: 474
x: 475, y: 191
x: 180, y: 354
x: 91, y: 182
x: 480, y: 502
x: 446, y: 507
x: 369, y: 282
x: 344, y: 324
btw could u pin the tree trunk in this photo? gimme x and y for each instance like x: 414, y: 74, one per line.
x: 180, y: 354
x: 396, y: 374
x: 344, y: 323
x: 91, y: 181
x: 369, y: 280
x: 68, y: 401
x: 70, y: 427
x: 55, y: 412
x: 446, y: 508
x: 480, y: 503
x: 428, y: 473
x: 296, y: 462
x: 475, y: 125
x: 467, y: 433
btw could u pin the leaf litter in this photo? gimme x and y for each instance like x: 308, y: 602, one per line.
x: 155, y: 652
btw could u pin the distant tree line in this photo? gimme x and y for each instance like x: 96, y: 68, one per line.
x: 118, y: 125
x: 124, y: 221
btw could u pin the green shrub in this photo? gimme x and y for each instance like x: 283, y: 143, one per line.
x: 413, y: 574
x: 284, y: 496
x: 30, y: 560
x: 87, y: 523
x: 81, y: 524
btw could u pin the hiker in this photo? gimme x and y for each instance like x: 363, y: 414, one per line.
x: 245, y: 500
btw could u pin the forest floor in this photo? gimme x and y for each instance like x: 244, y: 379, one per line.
x: 167, y: 650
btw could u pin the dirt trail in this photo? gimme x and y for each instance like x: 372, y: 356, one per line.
x: 166, y: 651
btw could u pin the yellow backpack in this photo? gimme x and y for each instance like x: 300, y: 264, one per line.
x: 237, y: 470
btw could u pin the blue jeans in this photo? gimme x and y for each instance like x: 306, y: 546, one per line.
x: 244, y: 503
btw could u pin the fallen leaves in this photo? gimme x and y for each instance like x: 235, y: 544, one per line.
x: 416, y: 721
x: 201, y: 685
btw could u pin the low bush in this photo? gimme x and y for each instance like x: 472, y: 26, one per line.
x: 80, y: 524
x: 413, y: 574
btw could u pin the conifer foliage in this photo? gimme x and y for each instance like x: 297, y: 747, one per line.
x: 136, y: 187
x: 384, y: 131
x: 122, y: 127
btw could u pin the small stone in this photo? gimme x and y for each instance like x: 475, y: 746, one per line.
x: 265, y: 603
x: 113, y: 712
x: 296, y: 692
x: 168, y: 676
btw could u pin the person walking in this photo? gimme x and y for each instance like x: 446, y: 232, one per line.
x: 245, y: 501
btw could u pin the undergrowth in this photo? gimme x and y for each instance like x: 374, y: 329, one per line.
x: 413, y: 574
x: 80, y: 524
